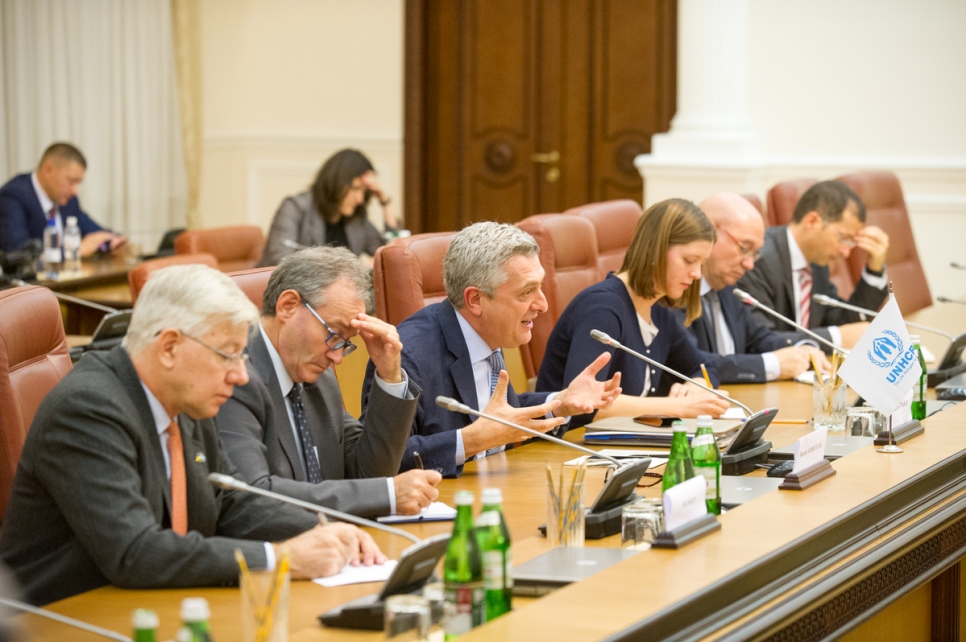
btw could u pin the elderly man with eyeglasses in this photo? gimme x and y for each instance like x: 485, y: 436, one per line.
x: 828, y: 222
x: 287, y: 429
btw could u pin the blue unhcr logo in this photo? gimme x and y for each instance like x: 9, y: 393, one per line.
x: 885, y: 349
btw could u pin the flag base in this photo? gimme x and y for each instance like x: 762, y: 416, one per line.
x: 890, y: 449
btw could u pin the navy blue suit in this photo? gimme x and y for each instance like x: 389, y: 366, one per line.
x: 751, y: 337
x: 22, y: 219
x: 437, y: 360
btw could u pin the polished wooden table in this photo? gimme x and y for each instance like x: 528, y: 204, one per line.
x: 103, y: 281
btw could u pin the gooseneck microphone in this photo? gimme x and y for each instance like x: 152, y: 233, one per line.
x: 451, y: 404
x: 63, y: 619
x: 230, y: 483
x: 835, y: 303
x: 614, y: 343
x: 946, y: 299
x: 744, y: 297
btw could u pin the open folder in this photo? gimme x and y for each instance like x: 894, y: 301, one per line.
x: 632, y: 431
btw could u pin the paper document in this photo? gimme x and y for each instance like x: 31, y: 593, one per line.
x: 806, y: 377
x: 435, y: 512
x: 358, y: 575
x: 733, y: 413
x: 658, y: 457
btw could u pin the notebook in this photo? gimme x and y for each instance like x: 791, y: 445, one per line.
x: 836, y: 447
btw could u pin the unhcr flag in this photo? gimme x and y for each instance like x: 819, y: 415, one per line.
x: 883, y: 366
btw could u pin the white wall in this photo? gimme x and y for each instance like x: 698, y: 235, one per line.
x: 285, y: 84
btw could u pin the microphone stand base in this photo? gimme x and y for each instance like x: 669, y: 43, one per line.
x: 746, y: 461
x: 891, y: 449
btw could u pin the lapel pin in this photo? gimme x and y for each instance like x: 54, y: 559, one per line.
x: 200, y: 458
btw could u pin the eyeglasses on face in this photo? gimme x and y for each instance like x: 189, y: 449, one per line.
x: 334, y: 341
x: 843, y: 241
x: 231, y: 360
x: 743, y: 249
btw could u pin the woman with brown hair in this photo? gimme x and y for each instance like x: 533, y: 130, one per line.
x: 332, y: 211
x: 662, y: 270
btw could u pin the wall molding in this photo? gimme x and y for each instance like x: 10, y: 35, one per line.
x: 217, y: 141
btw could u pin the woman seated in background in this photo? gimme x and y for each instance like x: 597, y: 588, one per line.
x: 332, y: 212
x: 662, y: 269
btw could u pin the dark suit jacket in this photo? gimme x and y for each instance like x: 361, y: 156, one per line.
x: 91, y: 499
x: 771, y: 283
x: 297, y: 219
x: 436, y: 358
x: 22, y: 219
x: 257, y: 436
x: 751, y: 337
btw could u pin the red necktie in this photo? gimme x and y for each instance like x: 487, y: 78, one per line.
x: 179, y: 493
x: 805, y: 300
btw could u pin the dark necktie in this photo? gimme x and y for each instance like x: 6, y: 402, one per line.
x: 714, y: 315
x: 313, y: 473
x: 496, y: 364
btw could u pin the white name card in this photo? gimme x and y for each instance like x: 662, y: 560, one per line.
x: 684, y: 503
x: 809, y: 450
x: 903, y: 414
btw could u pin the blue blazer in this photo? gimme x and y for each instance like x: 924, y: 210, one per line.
x: 436, y: 358
x: 22, y: 219
x: 751, y: 336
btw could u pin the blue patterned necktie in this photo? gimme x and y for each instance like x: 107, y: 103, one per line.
x: 496, y: 364
x: 313, y: 473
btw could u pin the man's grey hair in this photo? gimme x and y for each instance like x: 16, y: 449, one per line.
x: 190, y: 298
x: 309, y: 272
x: 477, y: 255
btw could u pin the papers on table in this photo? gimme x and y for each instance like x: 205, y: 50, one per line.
x: 658, y: 457
x: 435, y: 512
x: 734, y: 413
x: 358, y: 575
x: 806, y: 377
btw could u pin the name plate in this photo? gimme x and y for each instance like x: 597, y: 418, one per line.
x: 684, y: 503
x: 903, y: 414
x: 809, y: 450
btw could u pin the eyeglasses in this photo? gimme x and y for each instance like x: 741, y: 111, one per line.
x: 334, y: 341
x: 743, y: 250
x: 231, y: 360
x: 844, y: 241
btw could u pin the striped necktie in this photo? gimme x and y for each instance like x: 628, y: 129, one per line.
x: 805, y: 295
x: 179, y: 486
x: 496, y: 364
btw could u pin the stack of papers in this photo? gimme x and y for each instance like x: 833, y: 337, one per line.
x: 658, y: 457
x: 358, y: 574
x: 626, y: 430
x: 435, y: 512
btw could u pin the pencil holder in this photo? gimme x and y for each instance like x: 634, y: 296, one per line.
x: 264, y: 606
x: 565, y: 513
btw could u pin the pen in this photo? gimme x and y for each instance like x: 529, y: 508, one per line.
x: 419, y: 460
x: 800, y: 422
x: 707, y: 379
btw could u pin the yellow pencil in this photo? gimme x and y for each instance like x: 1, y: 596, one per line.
x: 707, y: 379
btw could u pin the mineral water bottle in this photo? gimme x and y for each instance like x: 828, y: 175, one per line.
x: 707, y: 462
x: 145, y: 625
x: 464, y: 601
x: 53, y: 258
x: 494, y: 539
x: 679, y: 466
x: 919, y: 390
x: 194, y: 615
x: 72, y: 243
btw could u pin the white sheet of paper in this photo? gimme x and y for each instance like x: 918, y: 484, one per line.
x: 358, y: 575
x: 435, y: 512
x: 809, y: 450
x: 903, y: 413
x: 733, y: 413
x: 684, y: 503
x: 806, y: 377
x: 658, y: 457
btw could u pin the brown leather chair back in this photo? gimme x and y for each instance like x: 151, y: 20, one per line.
x: 253, y: 283
x: 614, y: 222
x: 138, y: 276
x: 407, y: 275
x: 236, y: 248
x: 568, y: 254
x: 754, y: 200
x: 33, y: 358
x: 886, y: 208
x: 782, y: 199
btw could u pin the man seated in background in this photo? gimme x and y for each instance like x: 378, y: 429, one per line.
x: 454, y: 348
x: 28, y: 201
x: 747, y: 350
x: 112, y: 485
x: 287, y: 429
x: 829, y: 221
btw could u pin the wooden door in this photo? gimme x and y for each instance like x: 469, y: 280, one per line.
x: 516, y: 107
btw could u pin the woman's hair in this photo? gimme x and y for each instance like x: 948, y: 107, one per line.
x: 334, y: 179
x: 666, y: 224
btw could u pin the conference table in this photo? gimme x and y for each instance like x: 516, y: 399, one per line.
x: 872, y: 551
x: 102, y: 281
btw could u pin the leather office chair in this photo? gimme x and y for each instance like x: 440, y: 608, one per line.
x: 33, y: 358
x: 137, y: 277
x: 782, y: 199
x: 236, y: 248
x: 614, y: 223
x: 407, y: 275
x: 568, y: 254
x: 252, y: 283
x: 886, y: 208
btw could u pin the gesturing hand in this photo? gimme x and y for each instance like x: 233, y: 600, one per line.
x: 585, y: 393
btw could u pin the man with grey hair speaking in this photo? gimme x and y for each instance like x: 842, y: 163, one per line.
x: 454, y: 348
x: 112, y: 485
x: 287, y: 429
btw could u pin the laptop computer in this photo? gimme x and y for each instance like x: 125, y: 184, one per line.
x: 736, y: 490
x: 564, y: 565
x: 836, y: 447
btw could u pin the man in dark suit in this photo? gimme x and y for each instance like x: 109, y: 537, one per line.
x: 29, y: 201
x: 746, y: 350
x: 829, y: 221
x: 287, y: 429
x: 112, y: 488
x: 455, y: 348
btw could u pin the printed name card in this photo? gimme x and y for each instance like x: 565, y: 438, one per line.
x: 809, y: 450
x: 903, y: 414
x: 684, y: 503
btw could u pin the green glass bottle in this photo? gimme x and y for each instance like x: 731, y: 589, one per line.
x: 919, y: 390
x: 145, y: 625
x: 707, y: 462
x: 679, y: 466
x: 194, y: 616
x: 494, y: 539
x: 464, y: 601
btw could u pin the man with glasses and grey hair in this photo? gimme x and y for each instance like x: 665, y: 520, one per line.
x: 112, y: 484
x: 287, y: 429
x: 493, y: 280
x: 828, y: 222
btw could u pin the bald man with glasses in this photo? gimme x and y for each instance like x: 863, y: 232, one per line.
x: 287, y: 429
